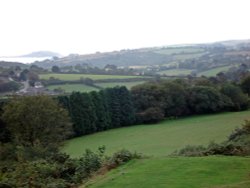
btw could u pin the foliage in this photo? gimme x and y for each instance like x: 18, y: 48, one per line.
x: 150, y: 115
x: 239, y: 99
x: 191, y: 151
x: 205, y: 99
x: 9, y: 86
x: 36, y: 121
x: 97, y: 111
x: 245, y: 85
x: 121, y: 157
x: 57, y: 170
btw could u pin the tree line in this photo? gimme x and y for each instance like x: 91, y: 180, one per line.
x: 98, y: 111
x: 151, y: 102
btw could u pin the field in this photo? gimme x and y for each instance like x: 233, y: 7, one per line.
x: 73, y: 87
x: 181, y: 172
x: 129, y: 85
x: 163, y: 138
x: 70, y: 77
x: 215, y: 71
x: 176, y: 72
x: 84, y: 88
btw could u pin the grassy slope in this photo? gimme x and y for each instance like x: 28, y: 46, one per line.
x: 215, y: 71
x: 163, y: 138
x: 78, y: 76
x: 181, y: 172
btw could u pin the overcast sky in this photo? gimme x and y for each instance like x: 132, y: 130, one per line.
x: 86, y: 26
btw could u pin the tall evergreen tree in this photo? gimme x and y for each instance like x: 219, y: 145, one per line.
x: 114, y: 106
x: 127, y: 111
x: 83, y: 113
x: 102, y: 120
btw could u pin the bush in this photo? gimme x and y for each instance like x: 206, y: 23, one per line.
x: 192, y: 151
x: 121, y: 157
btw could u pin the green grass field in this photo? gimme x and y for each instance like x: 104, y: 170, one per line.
x: 176, y: 72
x: 70, y: 77
x: 213, y: 72
x: 163, y: 138
x: 84, y: 88
x: 180, y: 172
x: 113, y: 84
x: 73, y: 87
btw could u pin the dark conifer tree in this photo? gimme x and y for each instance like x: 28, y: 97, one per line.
x: 83, y: 113
x: 102, y: 115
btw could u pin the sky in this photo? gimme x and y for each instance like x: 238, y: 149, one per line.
x: 88, y: 26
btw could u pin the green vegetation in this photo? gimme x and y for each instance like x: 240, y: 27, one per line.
x: 195, y: 172
x: 73, y: 87
x: 182, y: 57
x: 179, y: 50
x: 114, y: 84
x: 71, y: 77
x: 213, y: 72
x: 163, y: 138
x: 174, y: 72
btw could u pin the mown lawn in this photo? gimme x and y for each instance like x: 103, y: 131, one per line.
x: 163, y: 138
x: 180, y: 172
x: 70, y: 77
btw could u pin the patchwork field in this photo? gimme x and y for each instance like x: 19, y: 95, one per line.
x: 180, y: 172
x: 164, y: 138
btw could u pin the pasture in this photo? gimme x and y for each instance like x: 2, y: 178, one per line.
x: 176, y: 72
x: 163, y: 138
x: 128, y: 85
x: 68, y: 88
x: 71, y: 77
x: 213, y: 72
x: 195, y: 172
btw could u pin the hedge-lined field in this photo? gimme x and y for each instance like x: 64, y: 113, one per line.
x: 163, y: 138
x: 195, y: 172
x: 70, y: 77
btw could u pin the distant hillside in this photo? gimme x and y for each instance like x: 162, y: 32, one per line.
x: 42, y: 54
x: 6, y: 64
x: 194, y: 58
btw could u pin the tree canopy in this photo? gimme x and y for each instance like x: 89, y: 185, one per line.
x: 36, y: 121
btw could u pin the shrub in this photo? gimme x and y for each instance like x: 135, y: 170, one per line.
x: 192, y: 151
x: 121, y: 157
